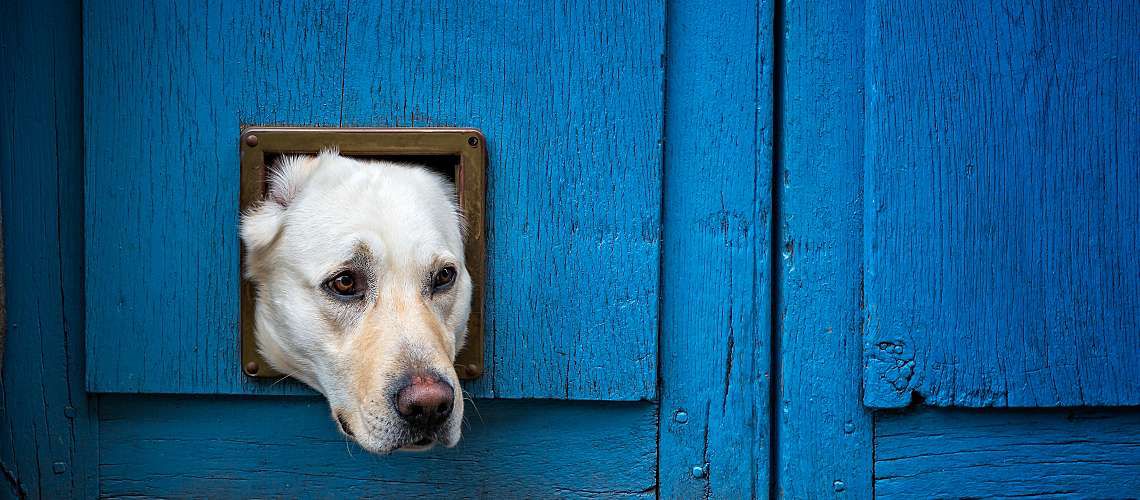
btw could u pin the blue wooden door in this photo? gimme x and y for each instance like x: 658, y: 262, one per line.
x: 873, y: 248
x: 1001, y: 204
x: 956, y: 224
x: 571, y: 99
x: 573, y: 123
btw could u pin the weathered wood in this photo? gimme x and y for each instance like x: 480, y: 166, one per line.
x: 1005, y: 454
x: 274, y: 447
x: 47, y: 444
x: 1003, y: 203
x: 823, y: 433
x: 715, y: 334
x: 571, y: 110
x: 3, y: 303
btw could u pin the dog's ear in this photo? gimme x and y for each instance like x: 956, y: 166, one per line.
x: 261, y: 224
x: 290, y: 176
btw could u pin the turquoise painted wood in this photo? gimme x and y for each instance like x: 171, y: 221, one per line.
x: 573, y: 118
x: 1002, y: 203
x: 46, y: 440
x: 790, y: 132
x: 822, y: 430
x: 272, y: 447
x: 715, y: 337
x: 957, y: 453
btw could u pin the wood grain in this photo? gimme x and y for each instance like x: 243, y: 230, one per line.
x: 1003, y: 203
x: 47, y: 445
x: 715, y: 335
x: 572, y: 112
x: 823, y: 433
x: 1007, y: 454
x: 271, y: 447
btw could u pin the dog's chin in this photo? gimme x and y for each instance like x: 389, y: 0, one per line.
x: 424, y: 442
x: 378, y: 447
x: 409, y: 446
x: 406, y: 443
x: 421, y: 445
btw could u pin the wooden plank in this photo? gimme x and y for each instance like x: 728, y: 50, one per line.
x: 1003, y: 203
x: 46, y: 441
x: 572, y: 113
x: 823, y: 433
x: 1007, y: 454
x: 272, y: 447
x: 715, y: 334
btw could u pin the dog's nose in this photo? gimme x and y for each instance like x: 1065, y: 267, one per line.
x: 425, y: 402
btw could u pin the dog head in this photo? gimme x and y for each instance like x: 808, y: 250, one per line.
x: 362, y: 294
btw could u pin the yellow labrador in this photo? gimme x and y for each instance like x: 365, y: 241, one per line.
x: 362, y: 294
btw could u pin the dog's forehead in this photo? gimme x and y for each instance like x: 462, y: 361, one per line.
x: 399, y: 212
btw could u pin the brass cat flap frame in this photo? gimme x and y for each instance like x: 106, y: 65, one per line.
x: 457, y: 153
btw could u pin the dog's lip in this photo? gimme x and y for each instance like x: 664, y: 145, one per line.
x: 344, y: 427
x: 421, y: 445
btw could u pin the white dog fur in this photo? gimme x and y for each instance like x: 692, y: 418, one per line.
x: 393, y: 226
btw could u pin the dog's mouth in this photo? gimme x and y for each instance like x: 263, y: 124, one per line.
x: 406, y: 439
x: 412, y: 445
x: 421, y: 445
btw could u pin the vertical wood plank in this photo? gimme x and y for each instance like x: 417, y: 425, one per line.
x: 1003, y: 203
x: 823, y: 433
x: 572, y: 112
x: 46, y: 439
x: 715, y: 330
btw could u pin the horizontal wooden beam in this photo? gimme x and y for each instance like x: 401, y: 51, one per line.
x: 288, y: 446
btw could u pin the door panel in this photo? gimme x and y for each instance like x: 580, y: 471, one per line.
x: 1002, y: 204
x: 572, y: 115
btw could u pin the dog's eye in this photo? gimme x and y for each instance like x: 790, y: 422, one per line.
x: 345, y: 285
x: 442, y: 279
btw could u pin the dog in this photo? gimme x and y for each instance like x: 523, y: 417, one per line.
x: 361, y: 293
